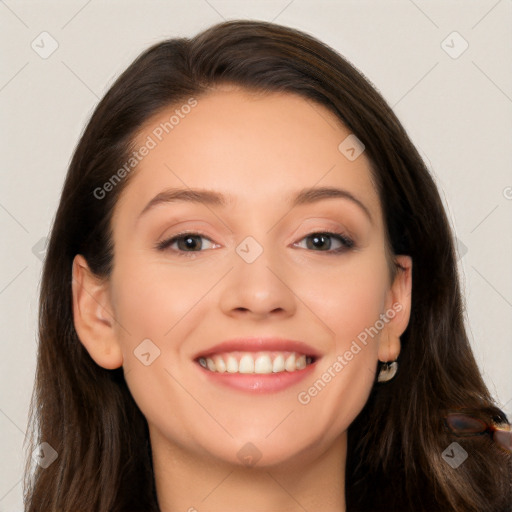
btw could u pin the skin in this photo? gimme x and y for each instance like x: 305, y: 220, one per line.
x: 260, y: 149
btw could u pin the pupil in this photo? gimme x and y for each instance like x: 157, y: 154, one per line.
x: 318, y: 239
x: 190, y: 242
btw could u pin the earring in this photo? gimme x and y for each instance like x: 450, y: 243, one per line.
x: 387, y: 371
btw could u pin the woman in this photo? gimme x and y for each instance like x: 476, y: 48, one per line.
x: 200, y: 348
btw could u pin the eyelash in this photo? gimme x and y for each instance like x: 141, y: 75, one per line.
x: 347, y: 243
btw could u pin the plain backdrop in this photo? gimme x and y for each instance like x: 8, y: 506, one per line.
x: 444, y: 67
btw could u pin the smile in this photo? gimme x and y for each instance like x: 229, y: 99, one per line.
x: 256, y: 362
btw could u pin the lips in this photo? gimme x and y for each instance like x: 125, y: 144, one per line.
x: 259, y: 344
x: 256, y: 364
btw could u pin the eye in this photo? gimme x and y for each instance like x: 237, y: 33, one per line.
x: 323, y: 240
x: 186, y: 242
x: 192, y: 242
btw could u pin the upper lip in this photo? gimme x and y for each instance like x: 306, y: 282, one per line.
x: 260, y: 344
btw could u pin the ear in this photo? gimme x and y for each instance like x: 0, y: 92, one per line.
x: 94, y: 322
x: 398, y: 310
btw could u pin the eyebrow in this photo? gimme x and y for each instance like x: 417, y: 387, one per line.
x: 212, y: 198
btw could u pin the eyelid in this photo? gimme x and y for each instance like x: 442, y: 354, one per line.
x: 321, y: 225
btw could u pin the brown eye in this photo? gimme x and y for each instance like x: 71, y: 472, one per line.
x: 192, y: 242
x: 322, y: 241
x: 185, y: 243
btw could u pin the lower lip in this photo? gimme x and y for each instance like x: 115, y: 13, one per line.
x: 258, y: 383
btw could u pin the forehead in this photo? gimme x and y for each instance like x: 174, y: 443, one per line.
x: 252, y: 146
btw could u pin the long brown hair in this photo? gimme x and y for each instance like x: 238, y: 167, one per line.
x: 87, y: 414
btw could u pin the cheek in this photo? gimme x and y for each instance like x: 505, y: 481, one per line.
x: 156, y: 304
x: 349, y: 300
x: 150, y: 299
x: 345, y: 376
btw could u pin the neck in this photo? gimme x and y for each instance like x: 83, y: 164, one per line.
x: 186, y: 482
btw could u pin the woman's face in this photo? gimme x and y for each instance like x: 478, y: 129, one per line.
x: 256, y: 267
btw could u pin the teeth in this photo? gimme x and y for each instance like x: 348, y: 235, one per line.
x: 263, y: 364
x: 278, y: 365
x: 258, y: 363
x: 246, y: 364
x: 300, y: 362
x: 220, y: 365
x: 232, y: 365
x: 289, y: 364
x: 210, y: 364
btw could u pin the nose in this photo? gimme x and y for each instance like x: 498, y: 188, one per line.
x: 258, y: 289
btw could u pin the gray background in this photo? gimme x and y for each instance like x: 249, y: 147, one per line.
x: 456, y: 108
